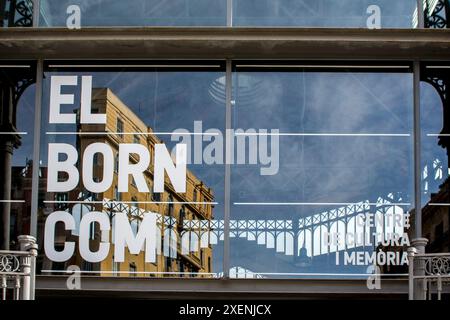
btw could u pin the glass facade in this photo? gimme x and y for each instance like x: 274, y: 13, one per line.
x: 340, y: 147
x: 135, y: 13
x: 325, y: 13
x: 146, y: 108
x: 210, y: 166
x: 315, y: 151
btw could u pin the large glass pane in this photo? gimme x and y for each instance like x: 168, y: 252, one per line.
x: 151, y: 111
x: 57, y: 13
x: 435, y: 142
x: 325, y: 13
x: 323, y: 174
x: 16, y: 148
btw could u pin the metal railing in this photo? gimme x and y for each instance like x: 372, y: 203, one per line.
x: 428, y: 273
x: 17, y: 271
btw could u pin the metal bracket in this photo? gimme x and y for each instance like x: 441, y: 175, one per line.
x: 440, y: 80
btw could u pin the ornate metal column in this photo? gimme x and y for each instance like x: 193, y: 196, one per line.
x: 13, y: 82
x: 439, y: 78
x: 436, y: 14
x: 28, y: 266
x: 12, y: 13
x: 419, y: 292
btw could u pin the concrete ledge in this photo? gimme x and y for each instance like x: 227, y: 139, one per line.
x: 220, y: 43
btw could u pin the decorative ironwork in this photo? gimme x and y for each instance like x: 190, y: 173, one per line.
x: 285, y: 236
x: 440, y: 80
x: 16, y: 272
x: 21, y: 86
x: 437, y: 265
x: 436, y: 13
x: 9, y: 263
x: 19, y: 81
x: 19, y: 13
x: 426, y: 273
x: 14, y: 82
x: 440, y: 84
x: 24, y: 10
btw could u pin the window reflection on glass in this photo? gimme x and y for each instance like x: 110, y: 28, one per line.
x: 325, y: 13
x: 135, y: 13
x: 435, y: 142
x: 146, y: 108
x: 343, y: 142
x: 305, y: 13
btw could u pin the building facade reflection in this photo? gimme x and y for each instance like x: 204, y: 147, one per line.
x: 173, y: 209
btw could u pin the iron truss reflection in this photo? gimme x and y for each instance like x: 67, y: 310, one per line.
x: 302, y: 237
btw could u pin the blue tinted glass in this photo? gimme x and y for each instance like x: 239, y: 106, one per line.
x: 325, y: 13
x: 318, y: 152
x: 146, y: 108
x: 435, y: 143
x: 136, y: 12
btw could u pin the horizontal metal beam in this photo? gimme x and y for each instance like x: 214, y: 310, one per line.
x: 221, y: 43
x: 210, y: 288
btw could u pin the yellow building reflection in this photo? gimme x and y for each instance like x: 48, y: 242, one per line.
x: 180, y: 250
